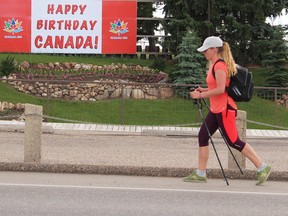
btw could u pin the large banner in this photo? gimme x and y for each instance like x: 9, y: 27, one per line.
x: 68, y: 26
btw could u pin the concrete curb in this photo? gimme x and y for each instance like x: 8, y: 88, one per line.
x: 169, y: 133
x: 195, y: 134
x: 133, y: 170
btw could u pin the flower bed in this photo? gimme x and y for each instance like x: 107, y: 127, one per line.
x: 88, y: 72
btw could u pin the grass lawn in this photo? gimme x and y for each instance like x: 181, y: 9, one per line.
x: 136, y: 112
x: 174, y: 111
x: 258, y: 76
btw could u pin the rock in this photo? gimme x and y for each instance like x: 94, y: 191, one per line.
x: 25, y: 65
x: 122, y: 81
x: 11, y: 106
x: 152, y: 92
x: 166, y: 92
x: 116, y: 94
x: 92, y: 85
x: 57, y: 64
x: 12, y: 76
x: 137, y: 94
x: 67, y: 65
x: 165, y: 80
x: 58, y: 94
x: 93, y: 94
x: 4, y: 105
x: 30, y: 87
x: 103, y: 96
x: 77, y: 66
x: 20, y: 106
x: 40, y: 66
x: 87, y: 66
x: 73, y: 93
x: 127, y: 92
x: 51, y: 65
x: 124, y: 67
x: 111, y: 88
x: 73, y: 84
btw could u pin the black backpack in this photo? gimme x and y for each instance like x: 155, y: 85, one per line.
x: 241, y: 85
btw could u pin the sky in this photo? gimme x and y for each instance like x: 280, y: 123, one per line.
x: 282, y: 20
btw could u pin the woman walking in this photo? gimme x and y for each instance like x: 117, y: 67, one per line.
x: 223, y: 110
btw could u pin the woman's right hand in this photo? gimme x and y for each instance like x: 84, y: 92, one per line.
x: 200, y: 89
x: 196, y: 94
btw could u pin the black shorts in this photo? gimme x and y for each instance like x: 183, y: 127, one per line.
x: 226, y: 120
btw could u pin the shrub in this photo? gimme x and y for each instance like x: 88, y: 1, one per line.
x: 7, y: 66
x: 159, y: 64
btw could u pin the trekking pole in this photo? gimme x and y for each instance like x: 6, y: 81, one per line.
x: 221, y: 132
x: 199, y: 105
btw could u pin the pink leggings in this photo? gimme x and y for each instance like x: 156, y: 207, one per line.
x: 227, y: 122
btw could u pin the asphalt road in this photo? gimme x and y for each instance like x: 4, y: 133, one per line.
x: 29, y: 194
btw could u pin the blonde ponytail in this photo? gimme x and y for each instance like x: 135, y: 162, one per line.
x: 226, y: 54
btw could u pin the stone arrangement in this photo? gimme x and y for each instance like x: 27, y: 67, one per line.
x: 90, y: 89
x: 283, y: 101
x: 8, y: 106
x: 93, y: 91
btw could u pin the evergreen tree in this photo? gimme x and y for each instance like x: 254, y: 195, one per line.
x: 276, y: 58
x: 234, y: 21
x: 191, y: 64
x: 178, y: 23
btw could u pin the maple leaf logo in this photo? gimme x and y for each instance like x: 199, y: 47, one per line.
x: 118, y: 27
x: 13, y: 26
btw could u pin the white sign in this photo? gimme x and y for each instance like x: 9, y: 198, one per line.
x: 66, y: 26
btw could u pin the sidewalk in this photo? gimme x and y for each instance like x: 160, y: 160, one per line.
x: 133, y: 150
x: 128, y: 129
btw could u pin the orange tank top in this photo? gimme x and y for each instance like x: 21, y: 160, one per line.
x: 219, y: 102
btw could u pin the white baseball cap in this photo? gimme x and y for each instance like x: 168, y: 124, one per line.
x: 210, y: 42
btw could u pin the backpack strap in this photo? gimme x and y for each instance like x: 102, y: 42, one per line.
x: 213, y: 71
